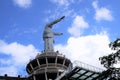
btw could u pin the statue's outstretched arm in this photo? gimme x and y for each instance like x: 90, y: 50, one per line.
x: 56, y: 21
x: 57, y: 33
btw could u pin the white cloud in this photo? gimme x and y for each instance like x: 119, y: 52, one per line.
x: 95, y: 4
x: 62, y: 2
x: 23, y: 3
x: 77, y: 26
x: 102, y: 13
x: 18, y: 56
x: 87, y: 49
x: 62, y: 8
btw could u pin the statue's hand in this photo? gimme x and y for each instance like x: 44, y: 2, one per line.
x: 61, y: 33
x: 56, y: 33
x: 63, y: 17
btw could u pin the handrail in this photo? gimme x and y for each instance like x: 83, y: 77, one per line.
x: 87, y: 66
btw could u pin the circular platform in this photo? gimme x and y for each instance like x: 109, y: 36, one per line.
x: 48, y: 65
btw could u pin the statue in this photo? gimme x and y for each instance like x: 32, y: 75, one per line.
x: 48, y: 35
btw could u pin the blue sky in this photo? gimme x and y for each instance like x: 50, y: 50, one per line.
x: 88, y: 28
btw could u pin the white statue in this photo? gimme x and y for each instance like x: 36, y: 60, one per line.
x: 48, y: 35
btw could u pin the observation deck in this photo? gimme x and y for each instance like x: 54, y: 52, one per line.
x: 48, y: 65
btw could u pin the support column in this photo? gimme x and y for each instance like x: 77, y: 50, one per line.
x: 46, y: 61
x: 28, y: 70
x: 56, y: 61
x: 58, y: 74
x: 64, y: 61
x: 34, y: 78
x: 38, y: 62
x: 31, y: 66
x: 46, y: 74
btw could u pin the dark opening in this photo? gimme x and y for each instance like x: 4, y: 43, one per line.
x: 51, y: 76
x: 29, y: 67
x: 67, y: 63
x: 34, y: 63
x: 42, y: 61
x: 51, y: 59
x: 60, y: 60
x: 40, y: 77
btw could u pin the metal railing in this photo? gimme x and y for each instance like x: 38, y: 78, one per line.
x: 87, y: 66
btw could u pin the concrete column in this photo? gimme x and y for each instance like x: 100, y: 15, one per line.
x: 46, y: 74
x: 56, y: 61
x: 38, y: 63
x: 64, y: 61
x: 31, y: 66
x: 46, y: 61
x: 28, y: 70
x: 57, y: 73
x: 34, y: 78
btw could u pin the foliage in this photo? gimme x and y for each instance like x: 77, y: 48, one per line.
x: 110, y: 60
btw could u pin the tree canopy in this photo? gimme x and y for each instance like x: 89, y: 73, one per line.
x: 111, y: 72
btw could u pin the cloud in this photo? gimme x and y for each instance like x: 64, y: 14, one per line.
x: 102, y: 13
x: 23, y: 3
x: 18, y: 56
x: 62, y: 8
x: 78, y: 25
x: 87, y: 49
x: 61, y: 2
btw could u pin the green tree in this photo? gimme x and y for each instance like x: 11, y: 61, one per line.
x: 111, y: 72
